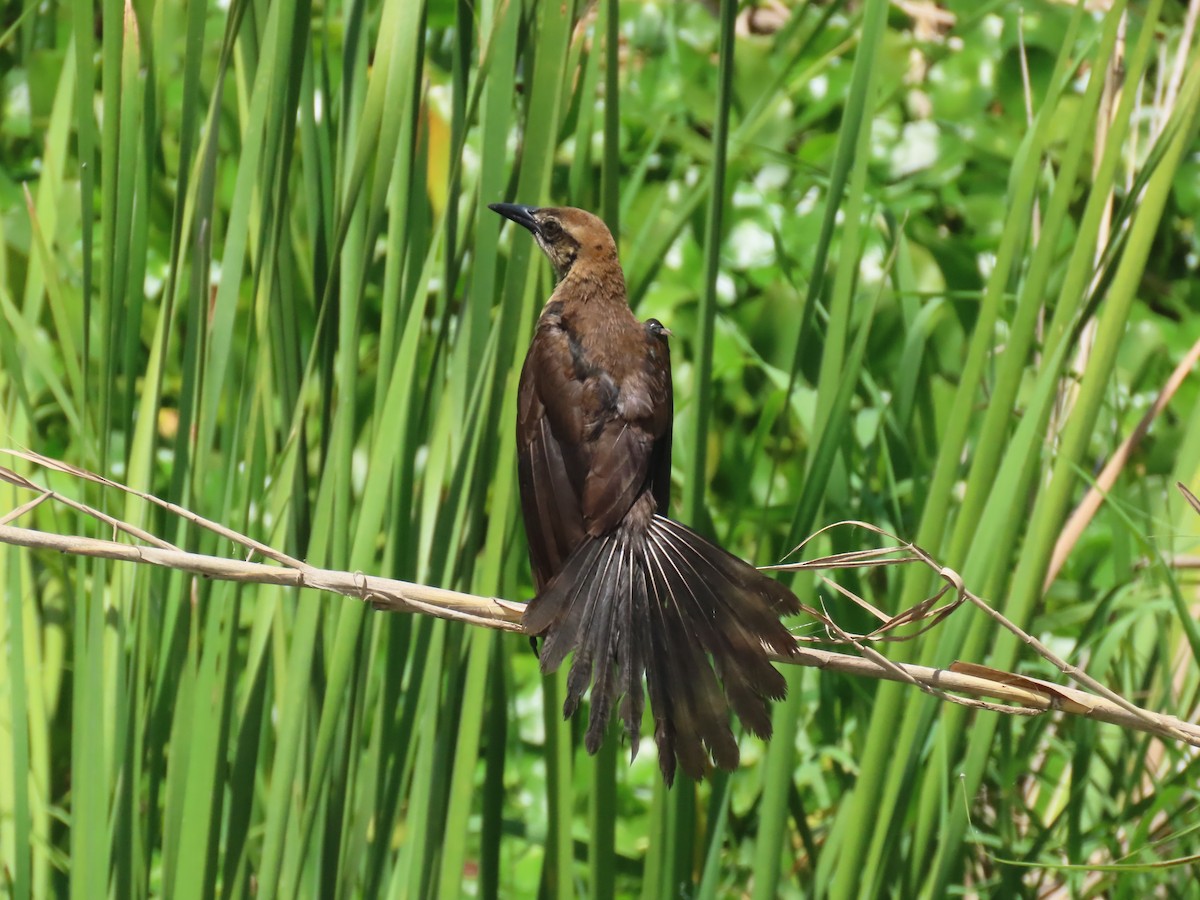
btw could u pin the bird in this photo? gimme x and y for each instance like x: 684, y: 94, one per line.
x: 631, y: 592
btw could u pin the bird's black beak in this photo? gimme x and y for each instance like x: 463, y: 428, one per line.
x: 522, y: 215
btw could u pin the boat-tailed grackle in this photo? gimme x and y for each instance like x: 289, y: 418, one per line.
x: 630, y: 591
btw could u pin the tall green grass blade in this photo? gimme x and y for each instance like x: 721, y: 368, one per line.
x: 19, y: 850
x: 881, y: 777
x: 1051, y: 505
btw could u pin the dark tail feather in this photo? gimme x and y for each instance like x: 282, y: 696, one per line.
x: 660, y: 602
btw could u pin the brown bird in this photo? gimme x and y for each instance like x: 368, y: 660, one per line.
x: 628, y: 590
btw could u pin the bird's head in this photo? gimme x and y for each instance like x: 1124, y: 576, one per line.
x: 569, y: 237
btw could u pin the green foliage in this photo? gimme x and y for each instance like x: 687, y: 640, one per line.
x: 246, y: 265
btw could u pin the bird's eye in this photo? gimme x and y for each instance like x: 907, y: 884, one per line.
x: 551, y: 230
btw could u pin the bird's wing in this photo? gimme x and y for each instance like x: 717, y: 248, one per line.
x: 587, y: 447
x: 620, y: 464
x: 550, y: 496
x: 659, y: 368
x: 632, y: 451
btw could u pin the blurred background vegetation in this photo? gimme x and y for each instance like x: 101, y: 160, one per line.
x: 926, y: 266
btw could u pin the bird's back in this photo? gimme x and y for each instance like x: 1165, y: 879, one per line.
x: 593, y: 425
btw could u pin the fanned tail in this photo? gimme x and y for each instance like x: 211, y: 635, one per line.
x: 660, y: 601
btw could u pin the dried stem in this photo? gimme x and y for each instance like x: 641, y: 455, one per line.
x: 1024, y: 695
